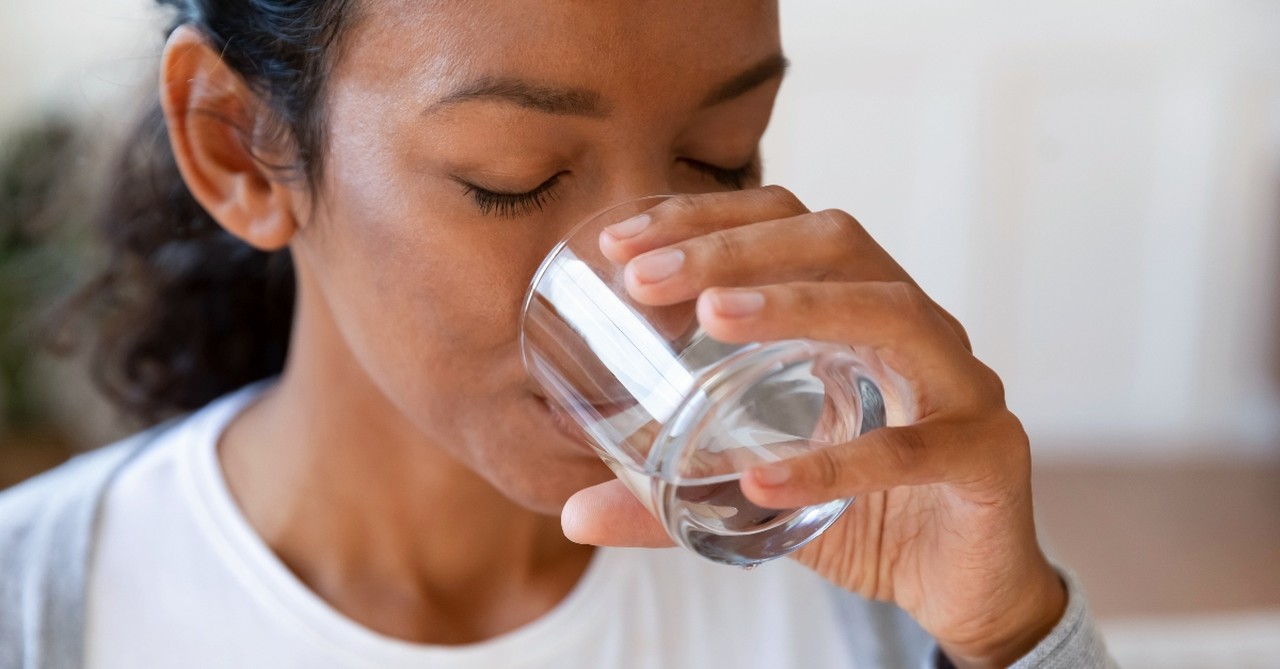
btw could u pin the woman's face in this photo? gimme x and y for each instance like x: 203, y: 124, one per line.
x: 439, y: 115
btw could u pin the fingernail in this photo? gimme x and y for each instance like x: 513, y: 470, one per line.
x: 658, y: 266
x: 773, y: 475
x: 628, y: 228
x: 737, y: 303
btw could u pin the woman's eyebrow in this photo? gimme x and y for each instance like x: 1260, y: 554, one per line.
x: 584, y: 102
x: 772, y: 66
x: 529, y: 95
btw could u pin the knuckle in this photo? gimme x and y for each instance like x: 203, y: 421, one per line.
x: 840, y: 220
x: 955, y: 325
x: 906, y: 450
x: 825, y: 468
x: 678, y: 206
x: 907, y: 300
x: 841, y: 226
x: 1009, y: 431
x: 1013, y: 425
x: 804, y: 301
x: 910, y: 301
x: 783, y: 197
x: 958, y: 328
x: 983, y: 389
x: 726, y: 248
x: 991, y: 383
x: 845, y: 236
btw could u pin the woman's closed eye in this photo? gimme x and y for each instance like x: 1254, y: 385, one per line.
x: 512, y: 205
x: 736, y: 178
x: 504, y: 204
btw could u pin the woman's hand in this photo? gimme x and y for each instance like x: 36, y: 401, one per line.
x: 942, y: 525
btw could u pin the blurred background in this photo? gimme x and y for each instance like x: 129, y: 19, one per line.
x: 1092, y: 187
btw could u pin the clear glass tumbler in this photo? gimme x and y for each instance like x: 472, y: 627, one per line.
x: 679, y: 416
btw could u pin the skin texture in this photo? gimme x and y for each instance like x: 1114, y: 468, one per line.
x: 406, y: 469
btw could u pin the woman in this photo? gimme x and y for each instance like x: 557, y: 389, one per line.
x: 369, y: 186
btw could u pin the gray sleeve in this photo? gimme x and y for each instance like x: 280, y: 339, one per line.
x: 883, y: 635
x: 46, y: 538
x: 1075, y: 643
x: 43, y: 540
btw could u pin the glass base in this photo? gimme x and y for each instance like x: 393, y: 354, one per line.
x: 765, y: 403
x: 766, y: 534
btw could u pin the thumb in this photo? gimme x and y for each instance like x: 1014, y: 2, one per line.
x: 609, y: 515
x: 878, y: 460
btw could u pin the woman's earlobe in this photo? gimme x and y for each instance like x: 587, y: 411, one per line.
x: 211, y: 117
x: 263, y: 214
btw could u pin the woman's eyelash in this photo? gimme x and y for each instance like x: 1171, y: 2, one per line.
x: 511, y: 205
x: 736, y: 178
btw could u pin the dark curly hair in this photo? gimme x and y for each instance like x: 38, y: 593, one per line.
x: 186, y: 311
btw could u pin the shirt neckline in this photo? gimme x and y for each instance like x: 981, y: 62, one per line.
x: 266, y: 578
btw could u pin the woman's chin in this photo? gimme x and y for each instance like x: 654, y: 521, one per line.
x: 542, y: 472
x: 555, y: 483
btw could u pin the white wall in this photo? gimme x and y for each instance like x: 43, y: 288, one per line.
x: 81, y: 55
x: 1092, y: 186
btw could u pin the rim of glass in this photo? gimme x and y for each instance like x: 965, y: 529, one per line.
x: 555, y: 251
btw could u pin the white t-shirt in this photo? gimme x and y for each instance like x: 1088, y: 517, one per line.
x: 180, y: 579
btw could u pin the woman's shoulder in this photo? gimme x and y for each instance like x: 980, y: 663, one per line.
x: 53, y: 513
x: 78, y: 481
x: 78, y: 485
x: 46, y: 525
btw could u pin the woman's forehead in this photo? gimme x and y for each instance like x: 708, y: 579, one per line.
x: 438, y: 49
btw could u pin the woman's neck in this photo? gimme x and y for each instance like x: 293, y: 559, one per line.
x: 389, y: 529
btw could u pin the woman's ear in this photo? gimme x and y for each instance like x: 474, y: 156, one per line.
x: 213, y: 118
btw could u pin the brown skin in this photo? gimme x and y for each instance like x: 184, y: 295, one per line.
x: 406, y: 469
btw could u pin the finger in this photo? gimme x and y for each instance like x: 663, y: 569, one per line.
x: 683, y: 216
x: 896, y: 320
x: 609, y: 515
x: 829, y: 245
x: 690, y: 243
x: 928, y: 452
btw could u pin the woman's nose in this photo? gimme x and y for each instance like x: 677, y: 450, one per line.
x: 643, y: 172
x: 639, y: 176
x: 633, y: 189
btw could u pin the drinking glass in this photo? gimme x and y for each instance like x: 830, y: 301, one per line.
x: 679, y: 416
